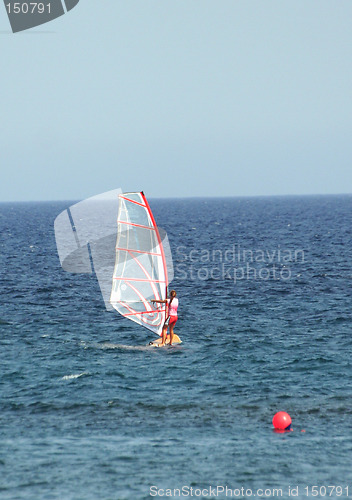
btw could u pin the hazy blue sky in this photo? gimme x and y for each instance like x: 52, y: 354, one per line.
x: 179, y: 98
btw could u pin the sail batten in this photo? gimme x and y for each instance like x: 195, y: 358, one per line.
x: 139, y: 279
x: 135, y: 225
x: 137, y: 251
x: 140, y: 272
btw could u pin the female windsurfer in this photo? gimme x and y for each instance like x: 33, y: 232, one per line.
x: 171, y: 317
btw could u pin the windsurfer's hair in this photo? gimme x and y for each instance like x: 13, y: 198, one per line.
x: 173, y: 292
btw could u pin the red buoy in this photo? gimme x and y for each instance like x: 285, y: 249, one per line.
x: 282, y: 421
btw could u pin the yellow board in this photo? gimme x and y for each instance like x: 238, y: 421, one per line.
x: 176, y: 340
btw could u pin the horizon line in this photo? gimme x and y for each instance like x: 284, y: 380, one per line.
x: 190, y: 197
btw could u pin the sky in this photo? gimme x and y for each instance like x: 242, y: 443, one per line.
x: 178, y: 98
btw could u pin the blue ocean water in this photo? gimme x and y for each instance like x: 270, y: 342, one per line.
x: 88, y: 412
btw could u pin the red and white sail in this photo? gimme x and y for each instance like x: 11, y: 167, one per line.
x: 140, y: 273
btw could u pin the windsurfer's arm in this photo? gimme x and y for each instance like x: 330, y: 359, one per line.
x: 159, y: 301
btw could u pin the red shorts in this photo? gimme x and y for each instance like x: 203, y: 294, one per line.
x: 173, y: 320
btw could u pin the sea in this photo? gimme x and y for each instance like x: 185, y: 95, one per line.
x: 88, y: 411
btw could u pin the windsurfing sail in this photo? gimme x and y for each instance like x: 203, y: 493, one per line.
x: 140, y: 273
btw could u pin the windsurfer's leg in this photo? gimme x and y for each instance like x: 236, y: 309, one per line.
x: 163, y: 336
x: 171, y: 333
x: 171, y: 326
